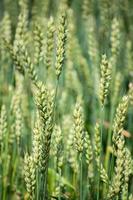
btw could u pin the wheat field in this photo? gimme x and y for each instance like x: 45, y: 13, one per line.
x: 66, y: 100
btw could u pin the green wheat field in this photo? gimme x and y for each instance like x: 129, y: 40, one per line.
x: 66, y: 99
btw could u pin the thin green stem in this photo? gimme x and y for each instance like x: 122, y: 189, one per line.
x: 101, y: 138
x: 59, y: 184
x: 81, y: 176
x: 109, y: 140
x: 37, y: 185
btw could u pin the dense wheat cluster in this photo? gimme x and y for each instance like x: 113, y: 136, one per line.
x: 66, y: 100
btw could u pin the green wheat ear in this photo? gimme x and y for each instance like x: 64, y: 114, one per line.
x: 56, y: 140
x: 50, y: 43
x: 37, y: 144
x: 116, y: 91
x: 30, y: 175
x: 78, y: 127
x: 92, y: 42
x: 117, y: 182
x: 127, y: 172
x: 3, y: 125
x: 120, y: 118
x: 97, y: 153
x: 44, y: 103
x: 115, y: 37
x: 87, y: 9
x: 61, y: 43
x: 38, y: 43
x: 104, y: 80
x: 25, y: 60
x: 15, y: 57
x: 88, y: 147
x: 129, y: 69
x: 21, y: 30
x: 104, y: 14
x: 5, y: 27
x: 130, y: 93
